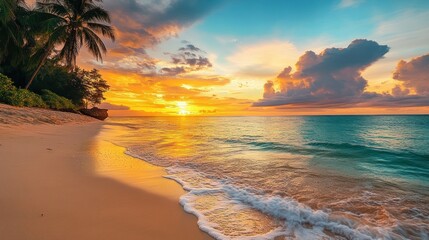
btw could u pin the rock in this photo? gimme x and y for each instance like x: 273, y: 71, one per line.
x: 95, y: 112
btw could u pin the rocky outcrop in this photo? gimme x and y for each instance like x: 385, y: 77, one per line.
x: 95, y: 112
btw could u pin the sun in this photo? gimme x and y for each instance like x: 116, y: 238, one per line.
x: 182, y: 108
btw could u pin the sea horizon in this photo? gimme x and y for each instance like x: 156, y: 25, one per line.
x: 301, y: 115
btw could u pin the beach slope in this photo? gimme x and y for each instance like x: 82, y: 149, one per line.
x: 48, y: 189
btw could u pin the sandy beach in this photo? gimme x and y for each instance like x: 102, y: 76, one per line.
x: 59, y: 179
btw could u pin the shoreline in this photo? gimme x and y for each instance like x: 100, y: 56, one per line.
x: 59, y: 182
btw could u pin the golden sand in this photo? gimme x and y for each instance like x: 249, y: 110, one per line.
x: 62, y: 182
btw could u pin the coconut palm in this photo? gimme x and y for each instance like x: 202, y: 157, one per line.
x: 7, y: 10
x: 71, y: 24
x: 12, y: 30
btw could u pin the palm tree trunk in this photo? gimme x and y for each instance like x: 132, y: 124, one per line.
x: 42, y: 61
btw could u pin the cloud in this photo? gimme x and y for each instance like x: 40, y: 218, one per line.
x: 145, y: 23
x: 333, y: 79
x: 366, y: 100
x: 188, y: 59
x: 406, y: 33
x: 262, y: 59
x: 110, y: 106
x: 335, y: 73
x: 348, y: 3
x: 142, y: 24
x: 141, y: 64
x: 190, y: 48
x: 159, y: 93
x: 397, y: 91
x: 414, y: 74
x: 190, y: 56
x: 173, y: 71
x: 125, y: 59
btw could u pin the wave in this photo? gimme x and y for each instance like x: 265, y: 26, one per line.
x: 401, y: 162
x: 298, y: 220
x: 223, y: 208
x: 311, y: 148
x: 216, y: 202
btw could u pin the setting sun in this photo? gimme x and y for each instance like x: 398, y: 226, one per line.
x: 182, y: 108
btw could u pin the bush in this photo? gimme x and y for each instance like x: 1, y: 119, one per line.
x: 55, y: 101
x: 6, y: 89
x: 18, y: 97
x: 29, y: 99
x: 9, y: 94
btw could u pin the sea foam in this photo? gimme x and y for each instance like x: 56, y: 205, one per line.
x: 297, y: 220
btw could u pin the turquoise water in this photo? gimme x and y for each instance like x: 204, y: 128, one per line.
x: 315, y: 177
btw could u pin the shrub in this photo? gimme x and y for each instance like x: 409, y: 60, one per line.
x: 7, y: 90
x: 30, y: 99
x: 55, y: 101
x: 9, y: 94
x: 18, y: 97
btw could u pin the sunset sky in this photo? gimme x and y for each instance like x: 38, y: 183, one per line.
x: 266, y: 57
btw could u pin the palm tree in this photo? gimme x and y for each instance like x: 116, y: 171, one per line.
x: 7, y: 10
x: 13, y: 34
x: 72, y: 23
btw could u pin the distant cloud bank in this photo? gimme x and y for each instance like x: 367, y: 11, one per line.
x: 110, y: 106
x: 334, y: 78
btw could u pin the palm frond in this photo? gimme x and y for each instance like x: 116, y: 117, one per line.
x: 7, y: 10
x: 105, y: 30
x: 41, y: 16
x: 54, y: 8
x: 70, y: 49
x: 96, y: 13
x: 94, y: 44
x: 58, y: 36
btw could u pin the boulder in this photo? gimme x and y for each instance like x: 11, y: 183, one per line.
x: 95, y: 112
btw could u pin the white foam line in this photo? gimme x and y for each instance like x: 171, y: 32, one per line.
x: 287, y: 209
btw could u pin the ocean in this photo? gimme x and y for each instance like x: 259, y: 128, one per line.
x: 303, y: 177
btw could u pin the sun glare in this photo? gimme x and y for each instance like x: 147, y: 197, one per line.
x: 182, y: 108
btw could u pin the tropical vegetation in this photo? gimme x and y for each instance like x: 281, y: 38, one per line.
x: 38, y: 51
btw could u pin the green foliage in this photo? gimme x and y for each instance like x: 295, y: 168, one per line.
x: 15, y: 37
x: 75, y: 23
x: 7, y: 90
x: 25, y: 98
x: 61, y: 81
x: 26, y: 35
x: 95, y: 86
x: 70, y: 24
x: 82, y: 87
x: 9, y: 94
x: 55, y: 101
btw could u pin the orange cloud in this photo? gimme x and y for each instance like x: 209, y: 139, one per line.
x: 332, y: 79
x: 262, y: 60
x: 414, y: 74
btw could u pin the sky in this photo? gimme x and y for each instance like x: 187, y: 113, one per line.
x: 266, y: 57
